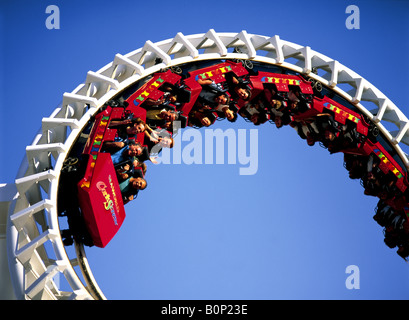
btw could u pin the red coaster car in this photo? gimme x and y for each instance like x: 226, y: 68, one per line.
x: 97, y: 213
x: 100, y: 200
x: 99, y: 195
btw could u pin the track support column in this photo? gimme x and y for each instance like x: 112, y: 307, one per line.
x: 7, y: 194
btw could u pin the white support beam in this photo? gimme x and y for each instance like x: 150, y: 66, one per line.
x: 42, y: 283
x: 25, y: 253
x: 51, y: 123
x: 180, y: 38
x: 157, y: 51
x: 219, y: 46
x: 244, y: 37
x: 122, y: 60
x: 23, y: 184
x: 20, y: 218
x: 93, y: 77
x: 69, y: 98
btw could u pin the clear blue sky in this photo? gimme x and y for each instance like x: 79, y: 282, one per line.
x: 287, y: 232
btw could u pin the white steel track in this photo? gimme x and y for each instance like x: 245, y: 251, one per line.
x: 36, y: 253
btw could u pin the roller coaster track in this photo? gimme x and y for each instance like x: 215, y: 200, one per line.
x: 36, y: 253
